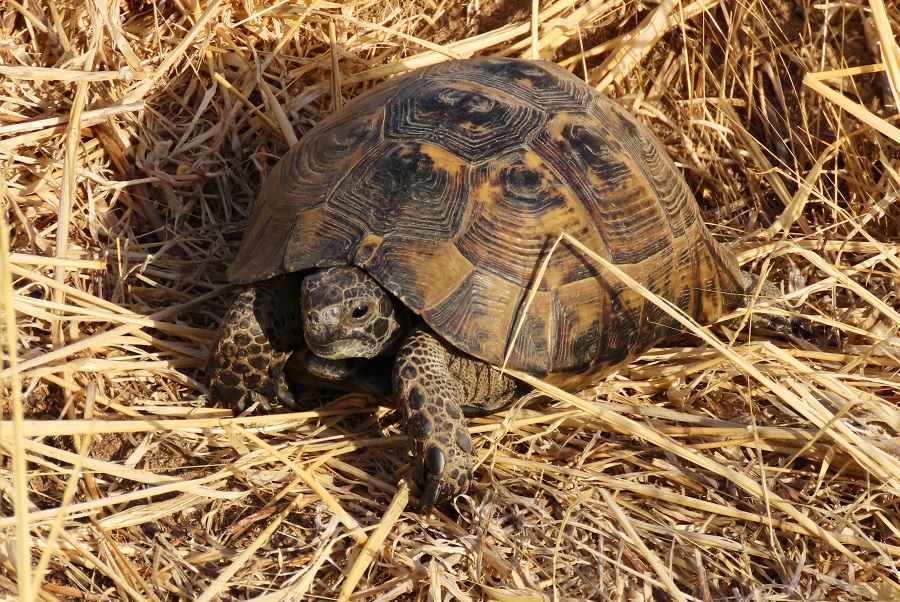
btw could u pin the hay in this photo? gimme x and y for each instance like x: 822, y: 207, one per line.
x: 133, y: 136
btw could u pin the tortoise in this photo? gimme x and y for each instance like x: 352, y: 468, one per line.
x: 408, y: 229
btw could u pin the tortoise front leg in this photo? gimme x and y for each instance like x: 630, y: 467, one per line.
x: 436, y: 386
x: 258, y: 334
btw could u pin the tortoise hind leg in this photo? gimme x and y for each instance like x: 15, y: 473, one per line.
x: 436, y: 386
x: 258, y: 334
x: 767, y: 291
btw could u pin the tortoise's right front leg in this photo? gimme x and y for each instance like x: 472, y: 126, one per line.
x: 258, y: 334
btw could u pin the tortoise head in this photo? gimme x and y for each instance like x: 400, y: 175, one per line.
x: 347, y: 314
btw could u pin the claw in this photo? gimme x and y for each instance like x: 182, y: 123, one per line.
x: 430, y: 497
x: 262, y: 403
x: 433, y: 473
x: 284, y: 395
x: 443, y: 473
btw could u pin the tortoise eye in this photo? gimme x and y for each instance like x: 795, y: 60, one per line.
x: 360, y: 312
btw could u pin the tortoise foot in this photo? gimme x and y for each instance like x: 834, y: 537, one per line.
x: 436, y: 388
x: 247, y: 356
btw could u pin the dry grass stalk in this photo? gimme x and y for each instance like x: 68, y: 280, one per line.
x: 890, y: 51
x: 133, y: 136
x: 18, y: 495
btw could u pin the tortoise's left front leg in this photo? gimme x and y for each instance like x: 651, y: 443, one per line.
x: 436, y: 386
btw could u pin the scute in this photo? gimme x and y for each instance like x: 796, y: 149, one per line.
x: 541, y: 85
x: 517, y: 202
x: 405, y: 186
x: 473, y: 123
x: 450, y: 184
x: 611, y: 188
x: 289, y: 208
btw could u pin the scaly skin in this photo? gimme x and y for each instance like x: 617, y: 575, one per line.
x: 436, y: 387
x: 340, y: 313
x: 258, y: 334
x: 767, y: 291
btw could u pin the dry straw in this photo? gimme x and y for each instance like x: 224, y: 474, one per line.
x: 721, y: 466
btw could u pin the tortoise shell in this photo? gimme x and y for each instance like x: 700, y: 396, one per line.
x: 450, y: 183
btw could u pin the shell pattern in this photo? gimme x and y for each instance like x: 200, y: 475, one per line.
x: 450, y: 183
